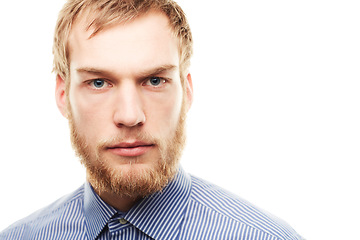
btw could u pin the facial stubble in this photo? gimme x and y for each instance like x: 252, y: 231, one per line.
x: 136, y: 182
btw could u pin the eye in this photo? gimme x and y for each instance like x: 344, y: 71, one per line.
x: 98, y: 83
x: 155, y: 81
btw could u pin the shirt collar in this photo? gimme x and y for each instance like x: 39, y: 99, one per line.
x: 97, y: 212
x: 159, y: 215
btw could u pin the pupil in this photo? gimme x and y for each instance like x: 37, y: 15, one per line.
x: 98, y: 83
x: 155, y: 81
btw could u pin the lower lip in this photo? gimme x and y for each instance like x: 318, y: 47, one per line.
x: 131, y: 152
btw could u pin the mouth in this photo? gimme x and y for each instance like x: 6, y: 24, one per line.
x: 130, y: 149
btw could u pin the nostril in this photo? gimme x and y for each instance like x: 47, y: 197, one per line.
x: 130, y: 122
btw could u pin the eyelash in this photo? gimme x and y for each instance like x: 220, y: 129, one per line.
x: 161, y: 83
x: 91, y: 83
x: 146, y: 82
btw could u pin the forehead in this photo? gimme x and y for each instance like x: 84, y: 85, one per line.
x: 146, y: 40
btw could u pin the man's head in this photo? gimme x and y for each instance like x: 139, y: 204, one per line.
x: 124, y: 85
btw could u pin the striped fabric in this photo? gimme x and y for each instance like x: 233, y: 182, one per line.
x: 188, y: 208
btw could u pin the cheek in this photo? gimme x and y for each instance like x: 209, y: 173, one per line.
x: 163, y: 116
x: 87, y: 115
x: 86, y: 106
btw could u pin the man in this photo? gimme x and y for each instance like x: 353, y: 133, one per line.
x: 123, y: 83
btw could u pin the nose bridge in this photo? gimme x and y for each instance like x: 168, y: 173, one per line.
x: 128, y: 105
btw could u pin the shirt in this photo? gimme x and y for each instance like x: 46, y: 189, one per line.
x: 188, y: 208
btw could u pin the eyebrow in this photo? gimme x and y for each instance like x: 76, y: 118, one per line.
x: 146, y: 73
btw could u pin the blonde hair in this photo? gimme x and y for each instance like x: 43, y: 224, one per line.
x: 110, y: 12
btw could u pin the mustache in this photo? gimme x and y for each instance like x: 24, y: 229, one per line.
x: 138, y: 136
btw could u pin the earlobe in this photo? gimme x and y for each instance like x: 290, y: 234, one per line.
x: 189, y: 91
x: 60, y: 95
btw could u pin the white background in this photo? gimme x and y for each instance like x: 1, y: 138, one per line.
x: 276, y: 116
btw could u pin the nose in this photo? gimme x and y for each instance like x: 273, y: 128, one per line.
x: 128, y: 107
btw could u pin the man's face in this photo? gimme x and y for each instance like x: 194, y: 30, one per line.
x: 125, y: 104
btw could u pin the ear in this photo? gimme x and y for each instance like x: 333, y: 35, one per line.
x: 189, y: 91
x: 60, y: 95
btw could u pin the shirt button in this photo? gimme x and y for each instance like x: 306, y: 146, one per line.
x: 122, y: 221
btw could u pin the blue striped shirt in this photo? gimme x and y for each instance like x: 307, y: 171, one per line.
x: 187, y: 208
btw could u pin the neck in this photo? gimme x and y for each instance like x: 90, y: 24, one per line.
x: 121, y: 203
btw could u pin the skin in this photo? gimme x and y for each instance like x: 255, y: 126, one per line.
x: 123, y: 80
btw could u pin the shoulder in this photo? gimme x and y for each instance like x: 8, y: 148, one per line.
x: 46, y: 217
x: 230, y: 209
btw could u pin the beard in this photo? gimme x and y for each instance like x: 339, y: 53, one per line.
x: 135, y: 181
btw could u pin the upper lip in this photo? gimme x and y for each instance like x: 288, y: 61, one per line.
x: 132, y: 144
